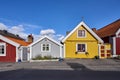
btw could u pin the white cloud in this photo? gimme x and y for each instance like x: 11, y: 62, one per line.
x: 60, y: 37
x: 47, y: 32
x: 31, y: 25
x: 20, y: 30
x: 3, y: 27
x: 51, y: 33
x: 16, y: 29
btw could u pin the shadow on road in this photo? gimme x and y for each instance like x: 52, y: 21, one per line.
x: 76, y: 66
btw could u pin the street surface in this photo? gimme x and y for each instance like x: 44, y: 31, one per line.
x: 70, y: 69
x: 32, y: 74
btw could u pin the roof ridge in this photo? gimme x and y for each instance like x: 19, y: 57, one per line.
x: 9, y: 34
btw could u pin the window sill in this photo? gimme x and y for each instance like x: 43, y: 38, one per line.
x: 77, y: 52
x: 45, y: 51
x: 2, y: 55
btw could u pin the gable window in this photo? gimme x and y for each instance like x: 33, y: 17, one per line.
x: 45, y: 47
x: 81, y: 33
x: 81, y: 47
x: 2, y: 49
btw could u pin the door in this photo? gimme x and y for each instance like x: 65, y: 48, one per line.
x: 118, y: 46
x: 24, y: 54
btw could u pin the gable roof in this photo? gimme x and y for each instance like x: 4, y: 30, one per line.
x: 13, y: 38
x: 80, y: 24
x: 9, y: 41
x: 109, y: 30
x: 21, y: 42
x: 43, y: 37
x: 8, y: 34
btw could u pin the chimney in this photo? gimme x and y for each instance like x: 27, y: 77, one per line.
x: 30, y: 38
x: 94, y: 29
x: 5, y: 31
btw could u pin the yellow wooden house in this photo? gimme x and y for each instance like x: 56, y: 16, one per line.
x: 82, y: 42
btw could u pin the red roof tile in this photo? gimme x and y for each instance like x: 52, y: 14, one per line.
x: 21, y: 42
x: 109, y: 30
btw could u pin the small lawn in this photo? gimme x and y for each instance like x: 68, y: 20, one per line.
x: 44, y: 58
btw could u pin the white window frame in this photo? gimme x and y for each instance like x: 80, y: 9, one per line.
x: 79, y: 51
x: 4, y: 49
x: 45, y: 46
x: 81, y: 36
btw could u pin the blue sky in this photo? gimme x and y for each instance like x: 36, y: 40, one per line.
x: 55, y: 16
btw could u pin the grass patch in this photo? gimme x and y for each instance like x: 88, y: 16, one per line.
x: 43, y: 58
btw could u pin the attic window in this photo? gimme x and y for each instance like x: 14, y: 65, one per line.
x: 81, y: 33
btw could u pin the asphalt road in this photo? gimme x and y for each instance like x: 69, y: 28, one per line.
x: 34, y: 74
x: 67, y: 70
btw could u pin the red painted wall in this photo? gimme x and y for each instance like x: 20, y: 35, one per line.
x: 118, y: 46
x: 106, y: 39
x: 10, y: 53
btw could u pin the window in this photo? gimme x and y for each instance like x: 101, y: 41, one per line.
x: 81, y: 48
x: 45, y: 47
x: 81, y: 33
x: 2, y: 49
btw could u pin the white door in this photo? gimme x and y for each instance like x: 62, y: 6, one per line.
x: 24, y: 54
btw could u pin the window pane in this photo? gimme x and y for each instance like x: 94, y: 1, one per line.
x: 45, y: 47
x: 81, y: 47
x: 1, y: 49
x: 81, y: 33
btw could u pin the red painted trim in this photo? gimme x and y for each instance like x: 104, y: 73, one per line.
x: 118, y: 46
x: 102, y: 55
x: 108, y: 55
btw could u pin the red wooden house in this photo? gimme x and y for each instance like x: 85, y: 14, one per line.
x: 111, y: 34
x: 12, y: 47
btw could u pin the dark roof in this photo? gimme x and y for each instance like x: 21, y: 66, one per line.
x: 8, y: 34
x: 109, y: 30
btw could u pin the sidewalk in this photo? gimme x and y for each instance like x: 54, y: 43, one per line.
x: 67, y: 64
x: 98, y: 64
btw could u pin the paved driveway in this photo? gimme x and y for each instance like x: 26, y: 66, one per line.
x: 67, y: 64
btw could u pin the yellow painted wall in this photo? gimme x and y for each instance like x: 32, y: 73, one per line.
x: 89, y: 40
x: 75, y: 37
x: 107, y: 46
